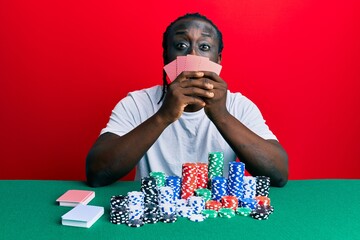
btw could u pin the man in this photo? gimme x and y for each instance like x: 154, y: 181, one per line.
x: 160, y: 128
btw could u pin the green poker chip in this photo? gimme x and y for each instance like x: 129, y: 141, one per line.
x: 209, y: 213
x: 226, y: 213
x: 243, y: 211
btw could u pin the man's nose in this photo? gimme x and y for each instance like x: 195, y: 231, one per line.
x: 192, y: 51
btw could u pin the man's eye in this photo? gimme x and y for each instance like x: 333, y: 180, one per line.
x: 181, y: 46
x: 204, y: 47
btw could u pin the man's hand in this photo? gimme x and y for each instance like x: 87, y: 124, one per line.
x: 215, y: 107
x: 188, y: 89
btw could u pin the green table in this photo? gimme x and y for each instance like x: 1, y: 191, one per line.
x: 306, y: 209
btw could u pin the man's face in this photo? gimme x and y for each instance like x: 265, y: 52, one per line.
x: 192, y: 36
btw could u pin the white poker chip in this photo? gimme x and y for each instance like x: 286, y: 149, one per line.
x: 197, y: 218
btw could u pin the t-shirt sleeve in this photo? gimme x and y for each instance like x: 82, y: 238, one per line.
x: 249, y: 115
x: 124, y: 117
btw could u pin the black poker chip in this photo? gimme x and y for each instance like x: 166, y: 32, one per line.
x: 136, y: 223
x: 119, y: 201
x: 262, y: 186
x: 260, y: 213
x: 119, y: 215
x: 168, y: 218
x: 151, y: 218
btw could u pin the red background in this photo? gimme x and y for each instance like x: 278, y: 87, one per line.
x: 65, y: 64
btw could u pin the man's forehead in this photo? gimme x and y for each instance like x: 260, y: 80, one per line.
x: 185, y: 24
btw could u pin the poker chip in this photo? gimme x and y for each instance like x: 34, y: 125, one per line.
x: 236, y: 179
x: 184, y: 211
x: 151, y: 218
x: 201, y: 192
x: 202, y: 175
x: 244, y: 211
x: 208, y: 213
x: 230, y: 202
x: 213, y: 205
x: 160, y: 178
x: 168, y: 218
x: 248, y: 202
x: 249, y: 187
x: 189, y: 176
x: 197, y: 204
x: 136, y: 223
x: 175, y: 183
x: 150, y: 190
x: 262, y: 200
x: 119, y: 216
x: 218, y: 188
x: 260, y: 213
x: 118, y: 201
x: 215, y: 165
x: 197, y: 218
x: 204, y: 193
x: 226, y: 213
x: 262, y: 186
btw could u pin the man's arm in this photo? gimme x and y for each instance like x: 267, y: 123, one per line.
x: 112, y: 156
x: 261, y: 157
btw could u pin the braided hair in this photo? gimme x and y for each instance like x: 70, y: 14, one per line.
x: 166, y: 35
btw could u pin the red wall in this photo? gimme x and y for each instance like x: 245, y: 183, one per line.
x: 65, y: 64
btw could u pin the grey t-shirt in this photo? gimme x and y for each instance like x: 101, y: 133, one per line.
x: 189, y: 139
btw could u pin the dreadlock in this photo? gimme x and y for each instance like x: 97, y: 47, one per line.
x: 165, y: 45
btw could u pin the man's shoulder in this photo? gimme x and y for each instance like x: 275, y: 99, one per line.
x: 153, y: 91
x: 237, y: 98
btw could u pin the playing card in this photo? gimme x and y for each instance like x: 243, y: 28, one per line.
x: 213, y: 67
x: 170, y: 70
x: 192, y: 63
x: 180, y: 64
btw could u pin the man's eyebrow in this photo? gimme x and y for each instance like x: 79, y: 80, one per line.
x: 181, y: 32
x: 185, y: 31
x: 206, y: 34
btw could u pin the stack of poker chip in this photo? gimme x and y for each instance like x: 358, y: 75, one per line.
x: 136, y: 205
x: 249, y: 203
x: 175, y: 183
x: 226, y: 213
x: 263, y: 200
x: 189, y: 180
x: 262, y: 186
x: 180, y: 202
x: 160, y: 178
x: 197, y: 204
x: 243, y: 211
x: 151, y: 213
x: 184, y: 211
x: 166, y: 195
x: 213, y: 205
x: 216, y: 165
x: 202, y: 175
x: 218, y: 188
x: 209, y: 213
x: 204, y: 193
x: 249, y: 187
x: 230, y: 202
x: 261, y: 212
x: 236, y: 179
x: 167, y: 205
x: 197, y: 217
x: 150, y: 190
x: 119, y: 213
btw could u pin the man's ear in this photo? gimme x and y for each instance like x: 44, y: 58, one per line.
x: 219, y: 58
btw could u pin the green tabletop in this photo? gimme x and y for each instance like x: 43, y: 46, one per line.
x: 306, y: 209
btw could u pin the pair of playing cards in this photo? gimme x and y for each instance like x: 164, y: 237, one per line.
x: 190, y: 63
